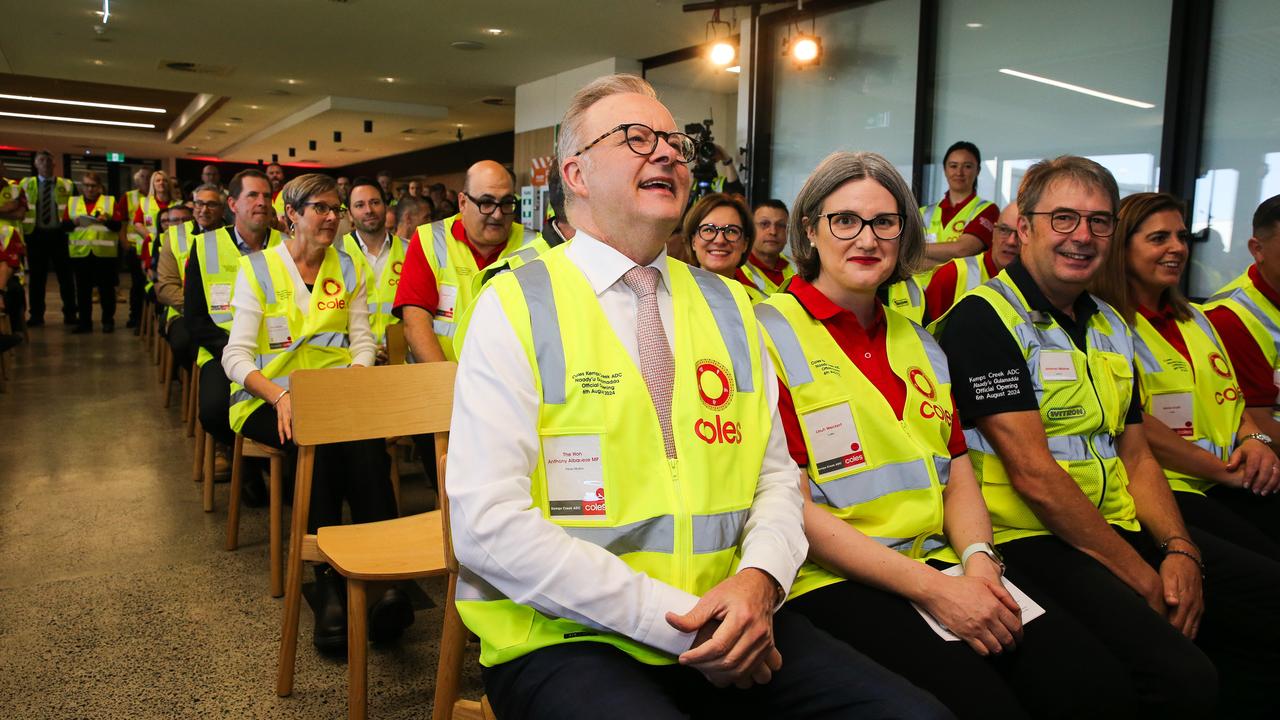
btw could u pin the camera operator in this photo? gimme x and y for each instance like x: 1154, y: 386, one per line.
x: 713, y: 171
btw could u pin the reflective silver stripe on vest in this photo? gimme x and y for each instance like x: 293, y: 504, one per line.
x: 473, y: 587
x: 937, y: 358
x: 1240, y: 296
x: 928, y: 220
x: 657, y: 534
x: 931, y: 543
x: 973, y: 279
x: 1065, y: 448
x: 729, y: 321
x: 717, y: 531
x: 211, y: 252
x: 544, y: 323
x: 258, y: 261
x: 383, y: 308
x: 438, y: 243
x: 1202, y: 322
x: 443, y: 328
x: 1145, y: 356
x: 913, y: 292
x: 264, y: 359
x: 943, y: 466
x: 180, y: 237
x: 242, y: 395
x: 348, y: 270
x: 1212, y: 448
x: 757, y: 276
x: 219, y: 318
x: 322, y: 339
x: 869, y: 485
x: 794, y: 362
x: 526, y: 255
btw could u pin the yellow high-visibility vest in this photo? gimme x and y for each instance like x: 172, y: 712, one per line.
x: 1201, y: 401
x: 882, y: 475
x: 219, y: 260
x: 93, y: 239
x: 1259, y: 316
x: 762, y: 281
x: 62, y: 192
x: 381, y: 290
x: 680, y: 519
x: 934, y: 232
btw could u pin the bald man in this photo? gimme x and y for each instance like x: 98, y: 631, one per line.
x: 445, y: 257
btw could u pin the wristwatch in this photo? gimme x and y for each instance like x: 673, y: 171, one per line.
x: 985, y: 548
x: 1260, y: 437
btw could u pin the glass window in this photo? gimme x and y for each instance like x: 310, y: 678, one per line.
x: 1024, y: 84
x: 860, y: 97
x: 1241, y: 154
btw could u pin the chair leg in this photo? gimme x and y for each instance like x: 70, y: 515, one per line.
x: 357, y: 651
x: 166, y: 373
x: 193, y: 395
x: 197, y: 463
x: 184, y: 385
x: 293, y: 585
x: 277, y: 512
x: 233, y: 504
x: 453, y: 642
x: 208, y: 473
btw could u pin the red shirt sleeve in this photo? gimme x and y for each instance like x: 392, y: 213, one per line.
x: 417, y: 282
x: 983, y: 226
x: 137, y: 215
x: 956, y: 443
x: 940, y: 292
x: 1252, y: 368
x: 12, y: 253
x: 791, y: 425
x: 119, y: 212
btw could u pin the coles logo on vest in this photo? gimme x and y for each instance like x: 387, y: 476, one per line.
x: 957, y: 225
x: 396, y: 267
x: 929, y: 407
x: 331, y: 287
x: 715, y: 388
x: 1219, y: 365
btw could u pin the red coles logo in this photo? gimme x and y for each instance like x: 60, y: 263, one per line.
x: 957, y: 225
x: 396, y: 266
x: 714, y: 386
x: 331, y: 286
x: 1219, y: 365
x: 720, y: 431
x: 921, y: 382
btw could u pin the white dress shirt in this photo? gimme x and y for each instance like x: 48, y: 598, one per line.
x: 501, y: 536
x: 242, y: 347
x: 379, y: 261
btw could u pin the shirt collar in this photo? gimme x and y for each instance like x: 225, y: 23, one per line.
x: 1162, y: 314
x: 386, y: 241
x: 990, y: 264
x: 946, y: 200
x: 1263, y: 287
x: 604, y: 266
x: 821, y: 308
x: 1084, y: 307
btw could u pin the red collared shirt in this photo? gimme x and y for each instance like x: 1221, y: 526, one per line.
x: 868, y: 349
x: 941, y: 292
x: 1167, y: 325
x: 1252, y: 368
x: 117, y: 214
x: 775, y: 276
x: 982, y: 226
x: 418, y: 285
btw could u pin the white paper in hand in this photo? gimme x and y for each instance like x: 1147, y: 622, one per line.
x: 1030, y: 610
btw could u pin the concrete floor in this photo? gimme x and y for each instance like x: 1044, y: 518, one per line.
x: 117, y: 599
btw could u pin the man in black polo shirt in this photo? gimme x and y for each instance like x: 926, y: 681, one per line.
x: 1044, y: 383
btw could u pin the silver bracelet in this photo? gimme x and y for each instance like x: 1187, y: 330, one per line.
x: 280, y: 397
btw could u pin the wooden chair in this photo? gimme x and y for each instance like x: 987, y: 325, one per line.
x: 377, y: 403
x: 191, y: 399
x: 5, y: 329
x: 397, y: 346
x: 244, y: 448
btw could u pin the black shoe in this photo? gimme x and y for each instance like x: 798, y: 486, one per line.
x: 108, y: 327
x: 331, y: 611
x: 35, y: 322
x: 253, y: 492
x: 81, y: 329
x: 131, y: 324
x: 9, y: 342
x: 390, y: 615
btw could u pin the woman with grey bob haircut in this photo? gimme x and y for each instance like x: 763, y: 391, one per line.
x: 837, y: 169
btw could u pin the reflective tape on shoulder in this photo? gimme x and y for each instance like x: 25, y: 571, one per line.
x: 438, y: 243
x: 258, y: 261
x: 548, y: 347
x: 729, y: 320
x: 785, y: 341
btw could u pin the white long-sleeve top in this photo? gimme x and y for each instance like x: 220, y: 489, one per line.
x: 493, y: 448
x: 242, y: 346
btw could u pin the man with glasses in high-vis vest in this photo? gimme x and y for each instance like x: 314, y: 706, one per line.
x: 1045, y: 373
x: 445, y: 259
x: 623, y: 507
x: 208, y: 209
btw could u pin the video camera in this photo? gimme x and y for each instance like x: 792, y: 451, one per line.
x: 704, y: 165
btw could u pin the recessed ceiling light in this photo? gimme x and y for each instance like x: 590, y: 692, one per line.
x: 98, y: 62
x: 60, y: 118
x: 457, y: 124
x: 254, y: 107
x: 494, y: 31
x: 387, y: 80
x: 973, y: 25
x: 83, y: 103
x: 291, y: 81
x: 734, y: 69
x: 466, y: 45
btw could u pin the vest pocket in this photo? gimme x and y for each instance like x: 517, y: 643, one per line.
x: 1113, y: 379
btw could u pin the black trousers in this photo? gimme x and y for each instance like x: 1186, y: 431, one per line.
x: 15, y: 304
x: 215, y: 402
x: 358, y: 473
x: 92, y: 272
x: 820, y: 678
x: 179, y: 339
x: 1240, y: 629
x: 137, y: 285
x: 1059, y: 670
x: 46, y: 249
x: 1222, y: 511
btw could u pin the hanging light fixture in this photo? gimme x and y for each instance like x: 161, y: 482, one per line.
x: 803, y: 49
x: 722, y: 52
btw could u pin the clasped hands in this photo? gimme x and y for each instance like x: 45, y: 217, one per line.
x: 734, y: 626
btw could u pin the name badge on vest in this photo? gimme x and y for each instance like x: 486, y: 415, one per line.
x: 1174, y: 410
x: 575, y: 476
x: 278, y: 332
x: 931, y: 238
x: 220, y: 297
x: 448, y: 299
x: 1057, y: 365
x: 834, y: 440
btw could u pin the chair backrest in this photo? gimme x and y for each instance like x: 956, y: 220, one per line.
x: 345, y: 404
x: 397, y: 347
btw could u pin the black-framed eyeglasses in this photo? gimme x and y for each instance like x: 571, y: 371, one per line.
x: 846, y: 225
x: 707, y: 232
x: 643, y: 140
x: 324, y: 208
x: 1066, y: 220
x: 1005, y: 231
x: 487, y: 205
x: 206, y: 204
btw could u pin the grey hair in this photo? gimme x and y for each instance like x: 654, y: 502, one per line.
x: 207, y: 187
x: 304, y: 187
x: 1084, y: 171
x: 571, y: 140
x: 835, y: 170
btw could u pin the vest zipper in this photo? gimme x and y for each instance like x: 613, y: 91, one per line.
x: 1093, y: 450
x: 683, y: 544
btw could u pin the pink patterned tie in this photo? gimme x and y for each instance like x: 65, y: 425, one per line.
x: 656, y: 363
